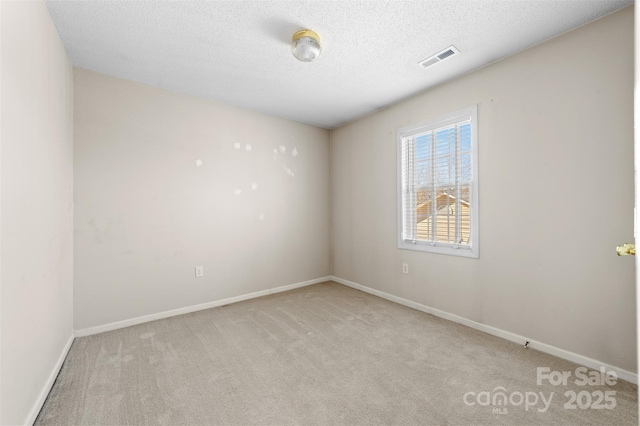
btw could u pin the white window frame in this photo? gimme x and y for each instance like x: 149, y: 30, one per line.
x: 471, y: 250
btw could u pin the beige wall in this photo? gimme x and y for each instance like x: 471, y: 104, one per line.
x: 37, y: 205
x: 146, y: 214
x: 556, y: 196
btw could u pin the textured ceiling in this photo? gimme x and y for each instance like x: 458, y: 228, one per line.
x: 237, y: 52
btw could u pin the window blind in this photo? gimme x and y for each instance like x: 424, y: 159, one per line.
x: 437, y: 178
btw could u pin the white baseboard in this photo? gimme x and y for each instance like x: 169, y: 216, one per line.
x: 37, y: 406
x: 166, y: 314
x: 542, y: 347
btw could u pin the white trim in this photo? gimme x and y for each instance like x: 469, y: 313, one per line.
x: 37, y: 406
x: 507, y: 335
x: 188, y: 309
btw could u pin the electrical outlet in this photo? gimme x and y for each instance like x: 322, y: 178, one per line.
x: 199, y: 271
x: 405, y: 268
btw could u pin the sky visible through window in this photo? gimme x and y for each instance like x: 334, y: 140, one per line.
x: 436, y: 156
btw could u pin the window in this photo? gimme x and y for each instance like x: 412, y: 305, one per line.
x: 438, y: 185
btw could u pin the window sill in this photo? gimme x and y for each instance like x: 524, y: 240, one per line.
x: 462, y: 251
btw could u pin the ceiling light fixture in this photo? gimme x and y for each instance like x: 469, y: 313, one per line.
x: 305, y: 45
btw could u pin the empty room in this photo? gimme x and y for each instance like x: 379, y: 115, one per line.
x: 317, y: 212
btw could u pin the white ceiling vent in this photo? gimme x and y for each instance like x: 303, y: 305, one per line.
x: 439, y: 57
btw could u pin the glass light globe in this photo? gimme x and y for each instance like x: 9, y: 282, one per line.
x: 305, y: 45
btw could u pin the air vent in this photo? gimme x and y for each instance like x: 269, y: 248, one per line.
x: 439, y: 57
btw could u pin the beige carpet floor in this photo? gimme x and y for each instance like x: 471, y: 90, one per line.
x: 320, y: 355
